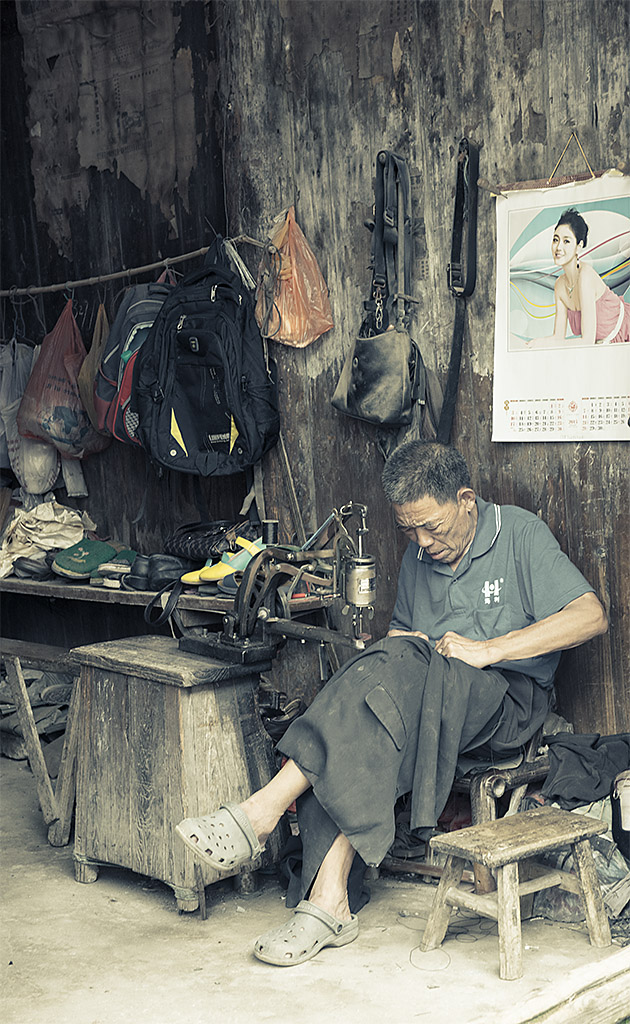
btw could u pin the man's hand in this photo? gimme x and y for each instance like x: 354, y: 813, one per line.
x: 408, y: 632
x: 473, y: 652
x: 580, y: 620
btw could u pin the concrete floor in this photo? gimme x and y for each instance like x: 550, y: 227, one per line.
x: 118, y: 952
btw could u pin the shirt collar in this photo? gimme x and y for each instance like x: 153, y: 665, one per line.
x: 486, y: 533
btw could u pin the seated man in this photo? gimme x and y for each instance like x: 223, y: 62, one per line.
x: 486, y: 601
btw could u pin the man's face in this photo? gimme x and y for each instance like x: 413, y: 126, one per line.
x: 444, y: 531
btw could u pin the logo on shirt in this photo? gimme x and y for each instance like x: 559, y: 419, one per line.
x: 491, y: 591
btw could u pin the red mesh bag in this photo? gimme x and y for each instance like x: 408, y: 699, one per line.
x: 51, y: 408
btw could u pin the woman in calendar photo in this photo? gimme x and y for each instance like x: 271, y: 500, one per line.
x: 594, y: 313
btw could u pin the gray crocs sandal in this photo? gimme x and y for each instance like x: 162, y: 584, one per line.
x: 308, y: 931
x: 225, y: 840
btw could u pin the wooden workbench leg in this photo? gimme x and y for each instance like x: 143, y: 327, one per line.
x: 65, y: 790
x: 85, y: 872
x: 596, y: 918
x: 187, y: 899
x: 441, y: 911
x: 31, y: 739
x: 509, y: 921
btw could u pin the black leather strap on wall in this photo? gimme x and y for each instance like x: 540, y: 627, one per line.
x: 461, y: 277
x: 392, y: 233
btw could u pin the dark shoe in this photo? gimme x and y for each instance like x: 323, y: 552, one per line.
x: 26, y: 568
x: 165, y: 569
x: 138, y: 578
x: 278, y: 723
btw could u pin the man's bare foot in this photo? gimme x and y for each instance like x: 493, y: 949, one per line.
x: 265, y: 807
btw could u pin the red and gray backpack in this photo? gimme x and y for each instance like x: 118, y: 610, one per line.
x: 113, y: 384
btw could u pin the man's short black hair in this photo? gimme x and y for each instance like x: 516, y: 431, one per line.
x: 424, y: 469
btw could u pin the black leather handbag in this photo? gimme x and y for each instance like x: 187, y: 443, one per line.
x: 381, y: 379
x: 384, y: 374
x: 201, y: 541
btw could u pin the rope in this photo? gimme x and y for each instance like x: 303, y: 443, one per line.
x: 573, y: 135
x: 169, y: 261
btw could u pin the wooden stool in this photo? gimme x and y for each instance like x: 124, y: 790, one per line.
x: 502, y: 845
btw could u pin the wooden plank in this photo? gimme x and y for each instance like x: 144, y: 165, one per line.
x: 65, y: 790
x: 102, y: 595
x: 440, y: 910
x: 596, y: 993
x: 596, y: 918
x: 148, y: 766
x: 486, y: 904
x: 36, y: 655
x: 159, y: 659
x: 530, y: 869
x: 84, y: 781
x: 31, y: 740
x: 402, y: 866
x: 523, y: 835
x: 74, y: 591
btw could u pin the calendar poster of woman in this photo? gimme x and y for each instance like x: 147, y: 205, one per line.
x: 562, y: 330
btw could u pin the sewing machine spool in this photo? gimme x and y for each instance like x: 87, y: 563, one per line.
x: 360, y: 581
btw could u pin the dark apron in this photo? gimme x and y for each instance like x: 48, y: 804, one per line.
x: 394, y: 720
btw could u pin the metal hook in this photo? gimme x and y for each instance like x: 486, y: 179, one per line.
x: 38, y: 313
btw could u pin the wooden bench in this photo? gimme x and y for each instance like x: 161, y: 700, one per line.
x: 57, y: 804
x: 501, y: 846
x: 33, y: 655
x: 102, y: 595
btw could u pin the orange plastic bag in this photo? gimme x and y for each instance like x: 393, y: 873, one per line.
x: 51, y: 408
x: 292, y: 304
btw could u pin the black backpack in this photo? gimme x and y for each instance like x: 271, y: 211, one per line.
x: 204, y: 389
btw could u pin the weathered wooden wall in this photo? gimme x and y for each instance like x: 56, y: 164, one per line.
x: 315, y: 90
x: 241, y: 108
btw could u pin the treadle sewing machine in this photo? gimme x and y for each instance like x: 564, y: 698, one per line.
x: 331, y: 565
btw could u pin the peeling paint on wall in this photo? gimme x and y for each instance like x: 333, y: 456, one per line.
x: 105, y: 93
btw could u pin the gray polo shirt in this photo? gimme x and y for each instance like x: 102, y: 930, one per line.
x: 513, y: 574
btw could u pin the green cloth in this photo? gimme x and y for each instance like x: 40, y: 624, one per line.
x: 81, y: 560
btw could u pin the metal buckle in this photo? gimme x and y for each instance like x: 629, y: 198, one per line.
x: 455, y: 280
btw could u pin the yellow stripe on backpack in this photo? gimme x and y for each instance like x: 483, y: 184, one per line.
x: 176, y: 432
x: 233, y: 433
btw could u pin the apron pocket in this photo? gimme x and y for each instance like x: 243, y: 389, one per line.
x: 381, y: 702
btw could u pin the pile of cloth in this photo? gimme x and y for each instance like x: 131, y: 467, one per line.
x: 590, y: 774
x: 49, y: 693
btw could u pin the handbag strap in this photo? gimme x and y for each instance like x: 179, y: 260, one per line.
x: 391, y: 239
x: 462, y: 286
x: 175, y: 587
